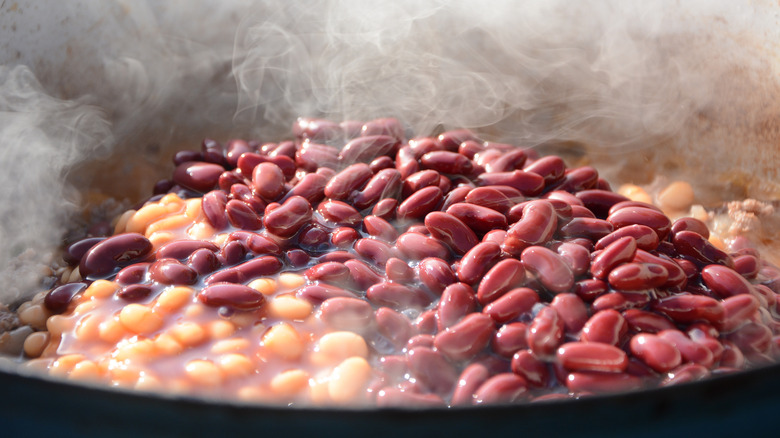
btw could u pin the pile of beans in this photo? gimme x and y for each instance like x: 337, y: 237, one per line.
x: 351, y: 266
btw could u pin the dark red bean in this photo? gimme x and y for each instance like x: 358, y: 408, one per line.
x: 385, y: 209
x: 421, y: 340
x: 577, y: 257
x: 676, y: 275
x: 213, y: 205
x: 690, y: 351
x: 420, y: 203
x: 435, y: 274
x: 602, y: 383
x: 606, y: 326
x: 182, y: 249
x: 342, y: 313
x: 457, y: 300
x: 310, y: 156
x: 58, y: 299
x: 316, y: 129
x: 103, y: 258
x: 478, y: 218
x: 691, y: 224
x: 394, y: 397
x: 379, y: 228
x: 549, y: 268
x: 366, y: 148
x: 565, y: 197
x: 590, y: 289
x: 637, y: 276
x: 257, y: 243
x: 446, y: 162
x: 349, y: 180
x: 689, y: 372
x: 203, y: 261
x: 135, y: 273
x: 645, y: 237
x: 492, y: 198
x: 381, y: 163
x: 747, y: 265
x: 643, y: 216
x: 512, y: 305
x: 417, y: 247
x: 466, y: 338
x: 631, y: 204
x: 242, y: 215
x: 329, y: 272
x: 420, y: 180
x: 693, y: 245
x: 649, y: 322
x: 432, y: 370
x: 472, y: 377
x: 451, y: 140
x: 231, y: 295
x: 135, y: 292
x: 510, y: 339
x: 451, y: 230
x: 383, y: 126
x: 502, y: 277
x: 318, y: 293
x: 655, y: 352
x: 551, y: 168
x: 393, y: 326
x: 469, y: 148
x: 337, y: 213
x: 502, y: 388
x: 375, y: 251
x: 478, y: 261
x: 592, y: 356
x: 268, y: 181
x: 621, y: 300
x: 495, y: 236
x: 545, y: 332
x: 185, y: 156
x: 590, y: 228
x: 572, y: 311
x: 396, y: 296
x: 725, y: 282
x: 363, y: 276
x: 398, y: 271
x: 751, y: 338
x: 618, y: 252
x: 385, y: 184
x: 232, y: 253
x: 536, y: 227
x: 287, y: 219
x: 172, y: 271
x: 456, y: 195
x: 528, y: 183
x: 690, y: 308
x: 509, y: 161
x: 198, y: 176
x: 578, y: 179
x: 75, y: 251
x: 311, y: 187
x: 739, y: 310
x: 600, y: 201
x: 344, y: 237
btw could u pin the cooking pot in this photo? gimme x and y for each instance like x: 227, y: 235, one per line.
x: 96, y: 94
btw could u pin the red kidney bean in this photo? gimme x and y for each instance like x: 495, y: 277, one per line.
x: 432, y: 370
x: 648, y: 322
x: 185, y: 156
x: 172, y: 271
x: 135, y: 292
x: 495, y: 236
x: 447, y: 162
x: 466, y: 338
x: 406, y: 162
x: 492, y: 198
x: 572, y: 310
x: 213, y: 205
x: 257, y: 267
x: 421, y: 146
x: 181, y: 249
x: 420, y: 180
x: 590, y: 228
x: 509, y: 161
x: 342, y: 313
x: 103, y: 258
x: 738, y: 311
x: 363, y: 276
x: 287, y: 219
x: 502, y: 388
x: 564, y: 197
x: 242, y: 215
x: 732, y: 356
x: 381, y: 163
x: 599, y: 201
x: 344, y: 237
x: 618, y: 252
x: 198, y: 176
x: 316, y: 129
x: 502, y: 277
x: 689, y: 350
x: 203, y: 261
x: 469, y: 148
x: 451, y: 140
x: 241, y: 192
x: 606, y: 326
x: 318, y: 293
x: 234, y: 149
x: 577, y: 211
x: 537, y: 224
x: 592, y: 356
x: 621, y: 301
x: 706, y: 335
x: 247, y: 162
x: 576, y: 256
x: 135, y: 273
x: 689, y: 372
x: 545, y: 332
x: 549, y: 268
x: 655, y: 352
x: 643, y: 216
x: 417, y: 247
x: 551, y: 168
x: 384, y: 126
x: 637, y: 276
x: 420, y: 203
x: 578, y: 179
x: 526, y: 365
x: 394, y: 326
x: 426, y: 322
x: 379, y: 228
x: 676, y: 276
x: 590, y: 289
x: 398, y: 271
x: 455, y: 196
x: 478, y: 218
x: 367, y: 148
x: 231, y: 295
x: 724, y: 282
x: 528, y: 183
x: 746, y: 265
x: 435, y: 274
x: 337, y: 213
x: 349, y: 180
x: 76, y: 250
x: 602, y: 383
x: 268, y: 181
x: 396, y: 296
x: 751, y: 337
x: 510, y: 339
x: 691, y: 224
x: 632, y: 204
x: 511, y: 305
x: 693, y: 245
x: 472, y: 377
x: 257, y: 243
x: 645, y: 237
x: 232, y: 253
x: 478, y: 261
x: 457, y: 300
x: 310, y: 156
x: 58, y: 299
x: 310, y: 187
x: 385, y: 184
x: 329, y: 272
x: 451, y: 230
x: 375, y: 251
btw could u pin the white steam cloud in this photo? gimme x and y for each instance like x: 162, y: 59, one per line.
x: 95, y: 95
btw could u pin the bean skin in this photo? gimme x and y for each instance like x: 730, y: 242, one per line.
x: 447, y: 162
x: 528, y: 183
x: 577, y: 257
x: 509, y: 161
x: 103, y: 258
x: 690, y: 308
x: 590, y: 228
x: 384, y: 184
x: 367, y: 148
x: 287, y: 219
x: 417, y: 247
x: 599, y: 201
x: 337, y: 213
x: 268, y: 181
x: 351, y: 179
x: 550, y: 168
x: 572, y: 311
x: 198, y: 176
x: 537, y: 225
x: 311, y: 187
x: 396, y: 296
x: 472, y: 377
x: 638, y: 276
x: 510, y: 339
x: 493, y: 199
x: 501, y: 389
x: 394, y: 326
x: 526, y: 365
x: 172, y: 271
x: 649, y: 322
x: 182, y: 249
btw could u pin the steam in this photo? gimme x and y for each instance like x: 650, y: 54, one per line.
x: 96, y: 95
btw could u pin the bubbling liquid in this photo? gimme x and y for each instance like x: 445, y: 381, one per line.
x: 353, y: 267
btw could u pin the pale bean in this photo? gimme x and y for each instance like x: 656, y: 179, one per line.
x: 289, y: 307
x: 64, y: 365
x: 139, y: 351
x: 85, y: 370
x: 169, y: 223
x: 283, y: 340
x: 203, y: 372
x: 111, y: 330
x: 635, y: 193
x: 289, y: 281
x: 266, y: 286
x: 677, y: 196
x: 88, y: 328
x: 173, y: 298
x: 334, y: 347
x: 35, y: 343
x: 220, y: 329
x: 201, y: 230
x: 121, y: 223
x: 34, y: 316
x: 167, y: 345
x: 149, y: 213
x: 140, y: 319
x: 290, y: 382
x: 230, y: 345
x: 100, y: 289
x: 349, y: 379
x: 235, y: 365
x: 148, y: 382
x: 189, y: 333
x: 58, y: 324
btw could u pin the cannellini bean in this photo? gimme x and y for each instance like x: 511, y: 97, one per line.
x: 348, y: 379
x: 283, y: 340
